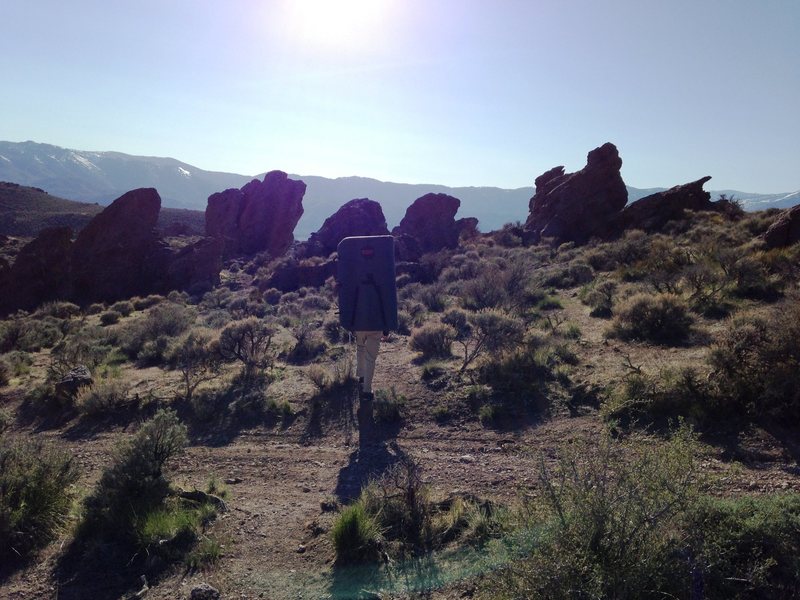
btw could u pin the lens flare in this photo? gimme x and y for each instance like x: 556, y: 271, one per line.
x: 337, y: 24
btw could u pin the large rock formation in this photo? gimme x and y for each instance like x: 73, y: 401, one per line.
x: 194, y: 267
x: 430, y: 222
x: 357, y: 217
x: 292, y: 275
x: 785, y: 231
x: 653, y: 212
x: 578, y: 206
x: 259, y: 217
x: 41, y: 272
x: 117, y: 254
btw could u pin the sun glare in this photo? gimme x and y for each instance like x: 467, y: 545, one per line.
x: 337, y: 24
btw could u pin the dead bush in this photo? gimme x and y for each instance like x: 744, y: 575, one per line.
x: 487, y: 331
x: 250, y: 342
x: 198, y: 360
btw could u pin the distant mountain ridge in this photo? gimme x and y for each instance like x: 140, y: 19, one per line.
x: 103, y: 176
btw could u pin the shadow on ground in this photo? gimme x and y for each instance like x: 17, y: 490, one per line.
x: 377, y: 452
x: 331, y: 407
x: 216, y: 417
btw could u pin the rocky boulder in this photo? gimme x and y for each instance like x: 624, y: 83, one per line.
x: 194, y: 267
x: 467, y: 227
x: 653, y: 212
x: 785, y: 231
x: 259, y: 217
x: 204, y: 592
x: 578, y: 206
x: 431, y: 222
x: 41, y: 271
x: 357, y: 217
x: 115, y: 255
x: 291, y: 275
x: 70, y: 384
x: 406, y: 248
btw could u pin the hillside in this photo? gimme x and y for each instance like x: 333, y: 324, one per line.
x: 102, y: 176
x: 26, y: 211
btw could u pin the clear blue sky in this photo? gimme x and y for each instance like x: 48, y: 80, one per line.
x: 457, y: 92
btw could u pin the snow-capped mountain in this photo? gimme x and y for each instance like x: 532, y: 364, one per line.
x: 103, y: 176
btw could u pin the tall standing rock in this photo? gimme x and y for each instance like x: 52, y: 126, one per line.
x: 118, y: 254
x: 652, y: 212
x: 356, y: 217
x: 578, y: 206
x: 41, y: 271
x: 431, y: 222
x: 259, y: 217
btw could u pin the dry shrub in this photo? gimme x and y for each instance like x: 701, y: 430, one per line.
x: 147, y: 338
x: 606, y: 525
x: 58, y: 309
x: 198, y: 360
x: 334, y: 332
x: 123, y: 307
x: 755, y: 364
x: 135, y: 483
x: 36, y: 492
x: 103, y: 397
x: 521, y: 375
x: 599, y: 297
x: 318, y: 376
x: 339, y: 376
x: 29, y: 334
x: 489, y: 290
x: 487, y: 331
x: 433, y: 340
x: 577, y: 272
x: 392, y: 515
x: 110, y: 317
x: 308, y: 344
x: 660, y: 400
x: 146, y: 302
x: 659, y: 318
x: 433, y: 296
x: 250, y: 342
x: 5, y: 373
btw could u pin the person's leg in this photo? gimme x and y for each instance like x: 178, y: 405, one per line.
x: 367, y: 344
x: 361, y: 354
x: 372, y: 342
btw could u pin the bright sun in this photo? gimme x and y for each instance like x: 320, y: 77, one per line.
x: 337, y: 24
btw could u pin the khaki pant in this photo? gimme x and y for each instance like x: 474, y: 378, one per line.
x: 367, y: 344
